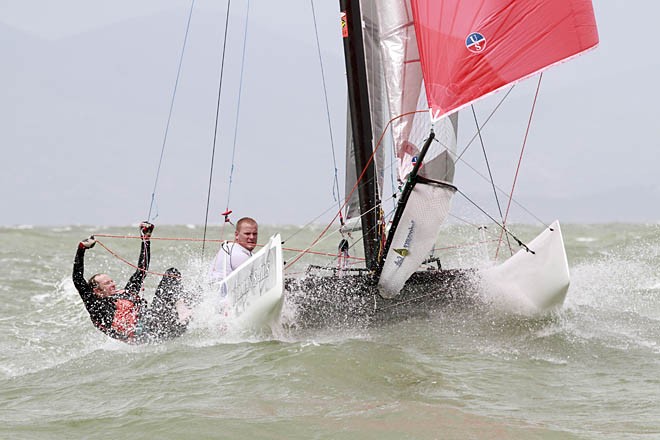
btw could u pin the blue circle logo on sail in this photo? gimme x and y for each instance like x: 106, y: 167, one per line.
x: 414, y: 160
x: 475, y: 42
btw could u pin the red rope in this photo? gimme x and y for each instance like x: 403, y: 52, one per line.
x: 326, y: 254
x: 116, y: 255
x: 124, y: 260
x: 515, y: 178
x: 158, y: 238
x: 308, y: 249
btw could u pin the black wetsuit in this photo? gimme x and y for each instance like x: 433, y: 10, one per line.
x: 126, y: 316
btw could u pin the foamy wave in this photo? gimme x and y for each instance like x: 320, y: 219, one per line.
x: 585, y: 239
x: 20, y: 227
x: 62, y: 229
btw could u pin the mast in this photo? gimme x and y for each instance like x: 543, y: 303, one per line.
x: 358, y: 99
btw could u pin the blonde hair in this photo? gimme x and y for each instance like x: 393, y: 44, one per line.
x: 249, y: 220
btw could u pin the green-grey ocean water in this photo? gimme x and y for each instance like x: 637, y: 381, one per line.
x: 591, y: 371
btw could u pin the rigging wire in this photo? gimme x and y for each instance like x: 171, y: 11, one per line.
x: 458, y: 157
x: 169, y: 116
x: 522, y: 151
x: 238, y: 111
x: 327, y: 110
x: 348, y: 197
x: 499, y: 104
x: 193, y: 240
x: 490, y: 173
x: 215, y: 130
x: 306, y: 225
x: 502, y: 226
x: 125, y: 261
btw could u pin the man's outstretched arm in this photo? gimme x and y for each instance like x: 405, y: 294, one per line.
x: 135, y: 282
x: 79, y: 266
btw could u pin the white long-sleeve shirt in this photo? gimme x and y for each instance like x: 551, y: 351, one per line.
x: 229, y: 257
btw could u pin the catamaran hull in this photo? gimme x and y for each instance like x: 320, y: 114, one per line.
x: 255, y: 291
x: 353, y: 300
x: 526, y: 283
x: 531, y: 282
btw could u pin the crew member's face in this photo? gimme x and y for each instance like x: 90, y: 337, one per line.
x: 246, y: 235
x: 105, y: 286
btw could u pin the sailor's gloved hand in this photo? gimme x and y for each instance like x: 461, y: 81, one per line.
x: 146, y: 229
x: 87, y: 243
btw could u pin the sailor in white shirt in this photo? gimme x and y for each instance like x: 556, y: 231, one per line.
x: 234, y: 253
x: 231, y: 255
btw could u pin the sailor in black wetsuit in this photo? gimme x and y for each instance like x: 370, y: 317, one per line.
x: 124, y: 314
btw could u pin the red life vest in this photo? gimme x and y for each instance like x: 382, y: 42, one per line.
x: 125, y: 318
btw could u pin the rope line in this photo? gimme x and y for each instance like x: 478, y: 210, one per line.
x: 474, y: 137
x: 304, y: 227
x: 504, y: 229
x: 364, y: 170
x: 522, y: 151
x: 327, y: 107
x: 215, y: 129
x: 119, y: 257
x: 238, y: 112
x: 327, y: 254
x: 490, y: 173
x: 169, y: 116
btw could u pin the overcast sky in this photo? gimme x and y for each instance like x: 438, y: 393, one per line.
x: 86, y: 85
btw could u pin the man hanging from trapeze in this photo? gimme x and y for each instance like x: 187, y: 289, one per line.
x: 124, y: 314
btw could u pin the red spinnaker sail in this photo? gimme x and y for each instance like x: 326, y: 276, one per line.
x: 469, y: 49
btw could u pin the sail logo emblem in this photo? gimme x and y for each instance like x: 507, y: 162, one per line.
x: 475, y: 42
x: 404, y: 251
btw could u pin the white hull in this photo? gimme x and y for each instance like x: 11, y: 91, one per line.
x: 255, y: 290
x: 532, y: 283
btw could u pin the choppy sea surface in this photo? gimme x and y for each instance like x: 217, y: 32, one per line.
x: 589, y: 371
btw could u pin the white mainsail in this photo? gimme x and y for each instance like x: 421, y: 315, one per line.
x: 428, y: 205
x: 396, y: 92
x: 379, y: 113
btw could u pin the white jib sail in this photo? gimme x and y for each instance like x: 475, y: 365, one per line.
x: 427, y: 208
